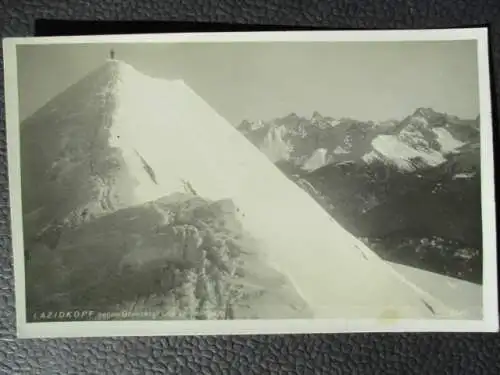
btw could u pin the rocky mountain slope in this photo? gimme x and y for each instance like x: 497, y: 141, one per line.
x: 409, y: 189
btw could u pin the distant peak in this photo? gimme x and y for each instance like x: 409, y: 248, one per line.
x: 292, y: 115
x: 244, y: 124
x: 317, y: 115
x: 424, y: 112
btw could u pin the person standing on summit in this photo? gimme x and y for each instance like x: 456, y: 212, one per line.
x: 112, y: 54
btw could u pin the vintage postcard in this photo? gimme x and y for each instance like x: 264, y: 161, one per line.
x: 252, y: 183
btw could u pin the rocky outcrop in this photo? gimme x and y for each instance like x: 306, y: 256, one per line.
x: 175, y: 258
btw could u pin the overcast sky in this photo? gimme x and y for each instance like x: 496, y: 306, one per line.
x: 367, y: 81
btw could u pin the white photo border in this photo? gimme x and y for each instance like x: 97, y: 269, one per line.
x: 489, y: 323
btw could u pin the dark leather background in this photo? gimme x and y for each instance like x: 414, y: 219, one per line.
x: 319, y: 354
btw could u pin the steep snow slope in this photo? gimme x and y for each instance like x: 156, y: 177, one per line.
x: 69, y: 171
x: 463, y: 296
x: 183, y: 139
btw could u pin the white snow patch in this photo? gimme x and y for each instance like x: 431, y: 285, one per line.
x: 256, y: 125
x: 340, y: 150
x: 348, y: 142
x: 317, y: 160
x: 401, y: 153
x: 334, y: 123
x: 182, y: 138
x: 464, y: 175
x: 446, y: 140
x: 274, y: 145
x: 370, y: 157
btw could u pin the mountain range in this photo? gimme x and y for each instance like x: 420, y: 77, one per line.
x: 410, y: 189
x: 422, y: 139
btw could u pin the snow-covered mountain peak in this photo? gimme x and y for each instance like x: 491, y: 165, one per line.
x: 425, y: 112
x: 291, y: 117
x: 323, y: 122
x: 120, y: 138
x: 127, y: 73
x: 316, y: 115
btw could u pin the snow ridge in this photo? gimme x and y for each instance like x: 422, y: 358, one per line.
x: 183, y: 139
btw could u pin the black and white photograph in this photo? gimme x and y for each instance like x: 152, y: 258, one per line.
x: 272, y: 182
